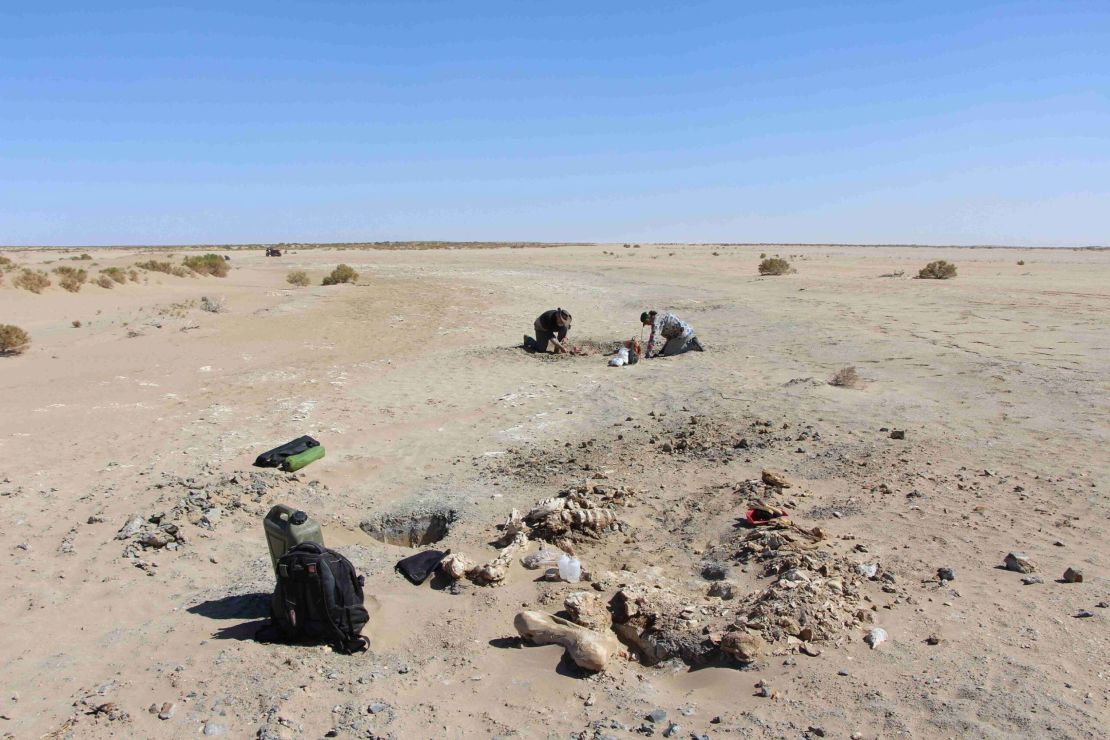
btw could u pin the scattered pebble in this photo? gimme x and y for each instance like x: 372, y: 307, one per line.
x: 946, y: 574
x: 657, y: 715
x: 1083, y: 614
x: 1032, y: 580
x: 1019, y: 562
x: 1072, y: 575
x: 876, y: 637
x: 212, y: 729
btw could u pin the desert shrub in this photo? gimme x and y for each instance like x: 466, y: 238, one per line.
x: 133, y: 274
x: 762, y: 255
x: 774, y: 266
x: 76, y: 323
x: 845, y: 377
x: 13, y: 340
x: 83, y: 256
x: 207, y: 264
x: 1021, y: 262
x: 105, y: 282
x: 32, y: 280
x: 155, y: 266
x: 71, y: 278
x: 211, y: 305
x: 938, y: 270
x: 6, y: 264
x: 116, y: 274
x: 341, y: 274
x: 179, y: 271
x: 297, y: 277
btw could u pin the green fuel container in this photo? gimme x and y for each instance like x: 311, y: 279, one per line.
x: 286, y: 528
x: 296, y: 462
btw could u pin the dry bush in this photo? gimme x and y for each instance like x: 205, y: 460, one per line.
x: 6, y: 264
x: 845, y: 377
x: 133, y: 274
x: 32, y: 280
x: 762, y: 255
x: 774, y: 266
x: 1021, y: 262
x: 154, y: 266
x: 341, y: 274
x: 207, y: 264
x: 84, y: 256
x: 179, y: 271
x: 13, y: 340
x: 938, y: 270
x: 116, y: 274
x: 298, y: 278
x: 211, y: 305
x: 76, y: 323
x: 105, y: 282
x: 71, y: 278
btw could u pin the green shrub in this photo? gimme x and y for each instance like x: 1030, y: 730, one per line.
x: 938, y: 270
x: 13, y: 340
x: 298, y: 278
x: 341, y: 274
x: 207, y: 264
x: 774, y: 266
x: 35, y: 281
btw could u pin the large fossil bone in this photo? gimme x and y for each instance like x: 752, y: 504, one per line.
x: 455, y: 566
x: 587, y: 648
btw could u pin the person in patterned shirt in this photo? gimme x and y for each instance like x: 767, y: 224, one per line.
x: 678, y: 334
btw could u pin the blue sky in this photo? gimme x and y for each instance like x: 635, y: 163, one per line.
x: 908, y: 122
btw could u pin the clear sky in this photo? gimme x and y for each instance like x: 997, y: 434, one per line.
x: 909, y: 122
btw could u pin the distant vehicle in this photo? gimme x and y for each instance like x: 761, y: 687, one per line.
x: 273, y: 252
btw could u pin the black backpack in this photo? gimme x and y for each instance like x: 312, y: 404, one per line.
x: 318, y: 599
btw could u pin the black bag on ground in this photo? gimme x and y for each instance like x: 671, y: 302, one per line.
x: 318, y: 599
x: 416, y: 568
x: 275, y: 457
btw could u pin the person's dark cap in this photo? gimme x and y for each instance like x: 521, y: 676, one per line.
x: 644, y: 317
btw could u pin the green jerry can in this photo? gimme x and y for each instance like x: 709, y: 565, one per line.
x: 298, y: 461
x: 286, y: 528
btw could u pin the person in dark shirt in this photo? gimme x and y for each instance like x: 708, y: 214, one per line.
x: 551, y: 327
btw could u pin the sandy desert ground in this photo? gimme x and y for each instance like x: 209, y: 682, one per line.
x: 413, y: 380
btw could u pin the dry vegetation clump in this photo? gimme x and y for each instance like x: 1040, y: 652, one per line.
x: 845, y: 377
x: 6, y: 264
x: 207, y: 264
x: 1021, y: 262
x: 13, y: 340
x: 937, y: 270
x: 105, y: 282
x: 115, y: 274
x: 341, y: 274
x: 298, y: 278
x: 774, y: 266
x: 152, y: 266
x: 83, y: 256
x: 71, y: 278
x: 35, y: 281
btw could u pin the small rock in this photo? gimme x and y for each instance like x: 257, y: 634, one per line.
x: 810, y: 650
x: 168, y: 710
x: 1019, y: 563
x: 722, y: 590
x: 842, y: 672
x: 1083, y: 614
x: 377, y: 707
x: 763, y: 689
x: 590, y: 700
x: 857, y: 736
x: 946, y: 574
x: 1103, y: 605
x: 657, y: 715
x: 897, y: 433
x: 817, y: 730
x: 1032, y: 580
x: 1071, y: 575
x: 671, y: 730
x: 876, y: 637
x: 212, y: 729
x: 932, y: 639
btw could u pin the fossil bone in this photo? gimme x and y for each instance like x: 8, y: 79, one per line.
x: 455, y: 566
x: 494, y: 571
x: 587, y: 648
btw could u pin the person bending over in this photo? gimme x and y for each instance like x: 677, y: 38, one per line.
x: 678, y: 334
x: 551, y: 327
